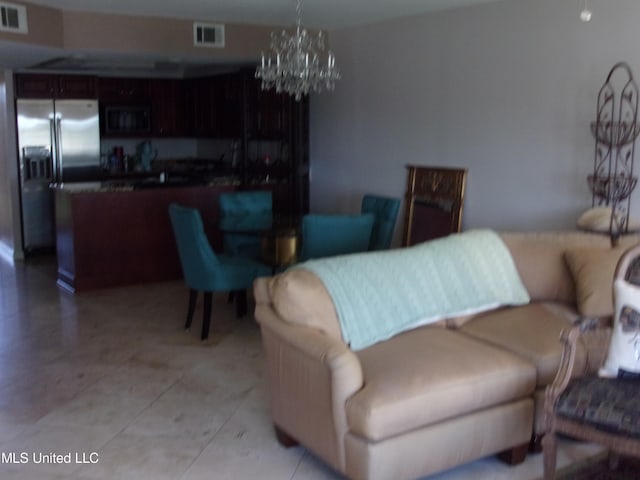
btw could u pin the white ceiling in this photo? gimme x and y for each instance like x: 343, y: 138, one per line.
x: 326, y: 14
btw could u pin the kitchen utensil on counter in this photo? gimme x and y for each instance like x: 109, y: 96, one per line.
x: 146, y: 154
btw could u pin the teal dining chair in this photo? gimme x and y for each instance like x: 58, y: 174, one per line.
x: 329, y: 235
x: 385, y: 211
x: 244, y: 204
x: 206, y: 272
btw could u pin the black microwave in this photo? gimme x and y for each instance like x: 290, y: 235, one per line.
x: 126, y: 119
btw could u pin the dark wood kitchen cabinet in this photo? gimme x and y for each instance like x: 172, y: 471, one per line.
x: 123, y: 90
x: 276, y: 146
x: 30, y: 85
x: 213, y: 106
x: 200, y: 107
x: 167, y: 107
x: 227, y: 104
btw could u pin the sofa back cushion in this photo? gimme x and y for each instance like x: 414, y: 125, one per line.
x: 539, y: 259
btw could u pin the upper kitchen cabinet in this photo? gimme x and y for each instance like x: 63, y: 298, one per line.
x: 213, y: 106
x: 268, y: 113
x: 200, y: 109
x: 123, y: 90
x: 227, y: 100
x: 276, y: 145
x: 167, y: 107
x: 30, y: 85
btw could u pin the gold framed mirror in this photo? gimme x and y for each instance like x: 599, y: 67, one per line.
x: 434, y: 202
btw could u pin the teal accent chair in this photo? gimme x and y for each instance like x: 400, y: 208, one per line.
x: 204, y: 271
x: 241, y: 204
x: 385, y: 210
x: 330, y: 235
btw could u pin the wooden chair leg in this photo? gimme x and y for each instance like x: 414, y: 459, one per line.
x: 535, y: 446
x: 549, y: 446
x: 284, y: 438
x: 206, y: 316
x: 515, y: 455
x: 193, y: 296
x: 241, y: 303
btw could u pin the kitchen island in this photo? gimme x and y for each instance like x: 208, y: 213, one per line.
x: 110, y: 235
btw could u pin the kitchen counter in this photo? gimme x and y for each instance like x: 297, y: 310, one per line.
x: 110, y: 234
x: 143, y: 182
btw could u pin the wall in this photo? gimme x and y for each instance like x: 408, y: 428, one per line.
x: 134, y: 35
x: 161, y: 36
x: 506, y: 89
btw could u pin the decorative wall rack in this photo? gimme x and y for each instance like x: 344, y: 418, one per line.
x: 615, y: 131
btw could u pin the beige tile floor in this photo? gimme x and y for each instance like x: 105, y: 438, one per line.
x: 111, y: 376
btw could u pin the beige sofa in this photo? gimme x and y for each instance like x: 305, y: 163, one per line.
x: 439, y: 395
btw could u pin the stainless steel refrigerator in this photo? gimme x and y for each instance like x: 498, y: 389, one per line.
x: 58, y: 141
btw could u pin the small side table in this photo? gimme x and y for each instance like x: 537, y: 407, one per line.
x: 280, y: 247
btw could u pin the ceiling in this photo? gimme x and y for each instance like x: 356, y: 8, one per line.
x: 324, y: 14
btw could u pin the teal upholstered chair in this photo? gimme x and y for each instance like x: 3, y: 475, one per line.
x: 240, y: 204
x: 204, y: 271
x: 329, y: 235
x: 385, y: 210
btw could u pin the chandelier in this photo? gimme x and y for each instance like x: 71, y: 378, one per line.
x: 298, y: 64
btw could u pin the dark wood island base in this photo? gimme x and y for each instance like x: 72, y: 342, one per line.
x: 109, y: 237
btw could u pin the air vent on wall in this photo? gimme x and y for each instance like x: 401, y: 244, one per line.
x: 208, y: 35
x: 13, y: 18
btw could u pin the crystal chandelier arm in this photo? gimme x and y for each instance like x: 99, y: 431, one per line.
x: 299, y: 65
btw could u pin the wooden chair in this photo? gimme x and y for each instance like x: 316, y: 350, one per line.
x: 204, y: 271
x: 329, y: 235
x: 385, y: 211
x: 239, y: 204
x: 582, y: 405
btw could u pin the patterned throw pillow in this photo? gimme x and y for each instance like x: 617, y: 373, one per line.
x: 624, y: 349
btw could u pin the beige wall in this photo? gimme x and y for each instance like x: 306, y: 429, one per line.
x: 86, y: 31
x: 162, y: 36
x: 45, y: 27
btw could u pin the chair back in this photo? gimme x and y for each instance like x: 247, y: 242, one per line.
x: 329, y: 235
x: 197, y: 258
x: 385, y: 211
x: 243, y: 203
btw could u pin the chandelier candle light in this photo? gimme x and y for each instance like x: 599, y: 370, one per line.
x: 298, y: 66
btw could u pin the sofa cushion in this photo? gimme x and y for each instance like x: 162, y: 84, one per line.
x: 531, y: 332
x: 428, y: 375
x: 300, y: 298
x: 592, y: 269
x: 539, y: 258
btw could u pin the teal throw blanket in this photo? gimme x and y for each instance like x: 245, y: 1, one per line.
x: 380, y: 294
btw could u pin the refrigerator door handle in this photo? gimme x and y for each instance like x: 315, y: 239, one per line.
x: 56, y: 148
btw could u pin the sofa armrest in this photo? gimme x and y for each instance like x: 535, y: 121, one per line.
x: 595, y: 335
x: 310, y: 377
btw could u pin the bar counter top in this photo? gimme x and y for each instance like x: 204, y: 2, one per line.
x: 111, y: 234
x: 142, y: 183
